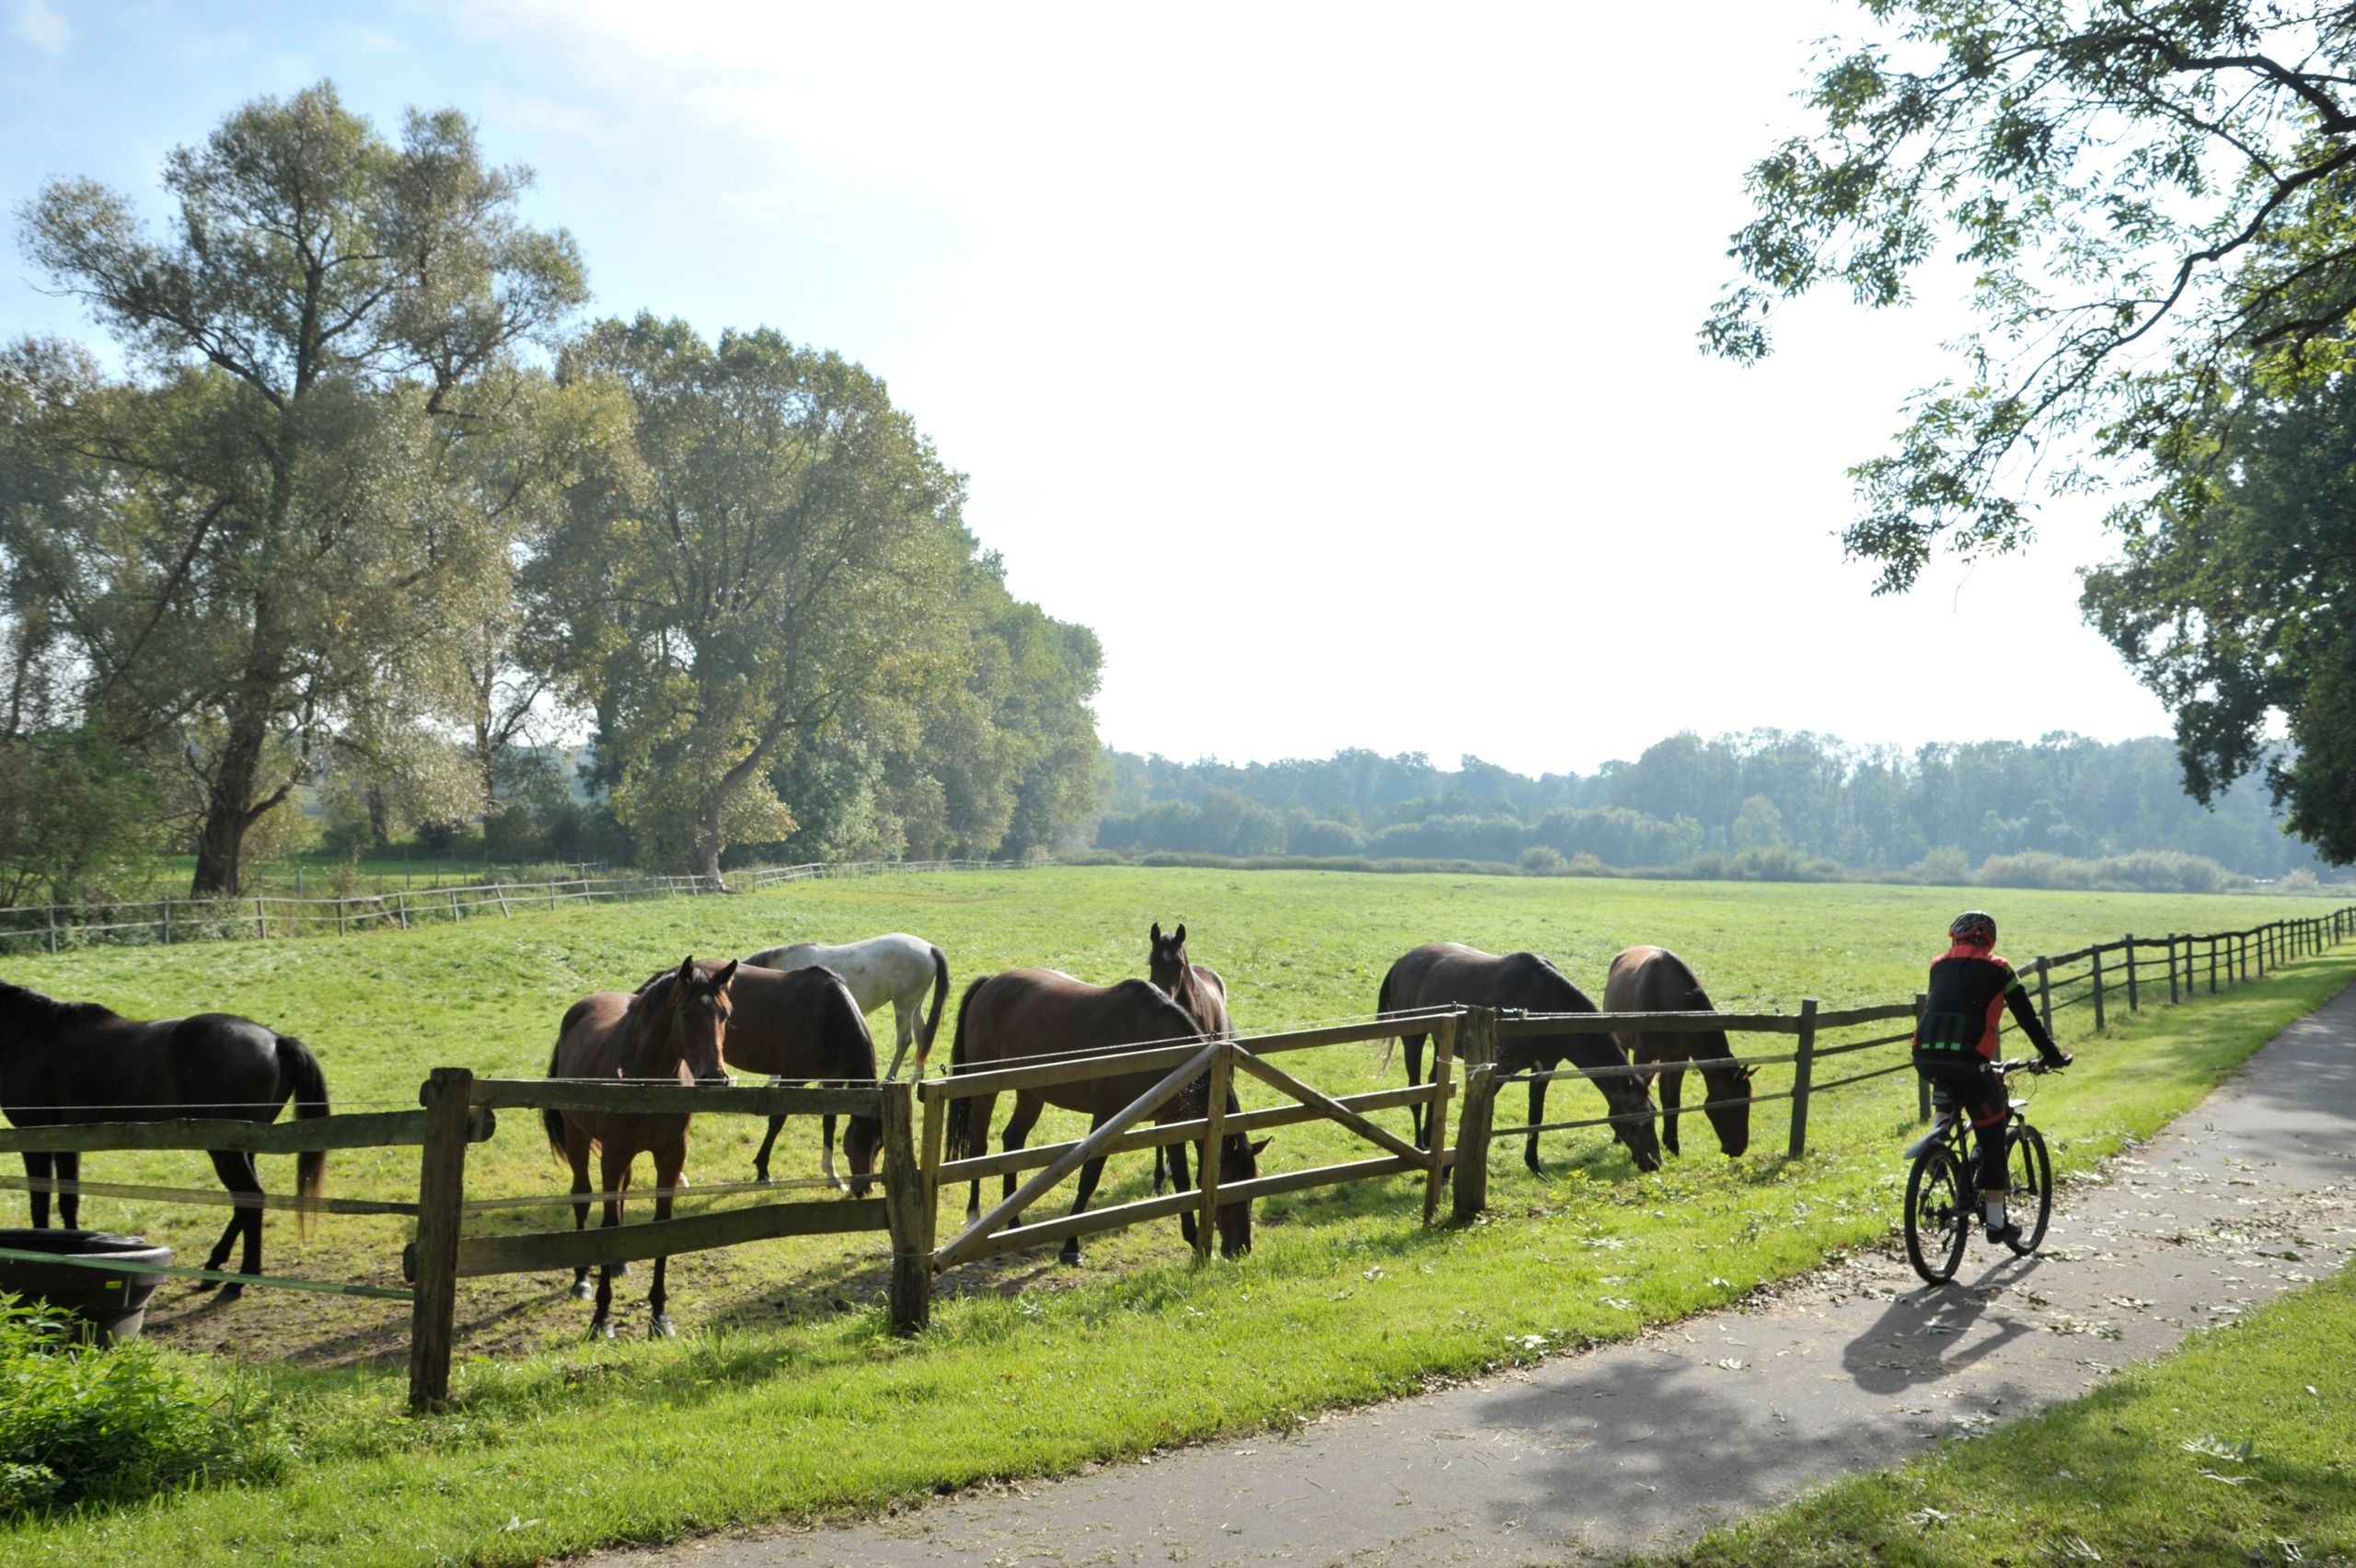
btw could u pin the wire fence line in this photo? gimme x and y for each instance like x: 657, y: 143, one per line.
x: 260, y: 916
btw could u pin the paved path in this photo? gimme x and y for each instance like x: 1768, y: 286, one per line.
x: 1647, y: 1443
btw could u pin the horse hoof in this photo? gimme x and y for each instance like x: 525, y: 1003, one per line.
x: 601, y: 1329
x: 661, y: 1327
x: 1070, y: 1257
x: 581, y: 1290
x: 231, y: 1291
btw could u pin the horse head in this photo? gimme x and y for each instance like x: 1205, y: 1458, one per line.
x: 1239, y: 1160
x: 689, y: 1035
x: 1727, y: 1085
x: 1166, y: 963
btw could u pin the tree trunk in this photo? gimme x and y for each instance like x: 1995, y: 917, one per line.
x: 229, y: 805
x: 708, y: 844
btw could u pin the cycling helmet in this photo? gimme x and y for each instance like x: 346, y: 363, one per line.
x: 1974, y: 928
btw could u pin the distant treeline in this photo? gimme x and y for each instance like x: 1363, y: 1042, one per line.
x: 2060, y: 811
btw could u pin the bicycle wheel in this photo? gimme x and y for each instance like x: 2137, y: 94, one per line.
x: 1938, y: 1217
x: 2029, y: 1202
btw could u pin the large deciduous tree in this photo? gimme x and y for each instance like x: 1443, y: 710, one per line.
x: 769, y: 549
x: 2153, y: 197
x: 253, y: 546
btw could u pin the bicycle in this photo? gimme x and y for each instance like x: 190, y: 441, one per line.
x: 1943, y: 1199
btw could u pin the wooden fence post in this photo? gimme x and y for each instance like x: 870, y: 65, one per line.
x: 2213, y: 963
x: 1207, y: 1172
x: 400, y: 908
x: 168, y: 922
x: 1802, y: 1069
x: 262, y: 920
x: 904, y: 1191
x: 339, y: 916
x: 1922, y: 1084
x: 2044, y: 993
x: 1477, y: 1047
x: 441, y: 1188
x: 2097, y: 974
x: 1443, y: 1082
x: 2130, y: 972
x: 2171, y: 994
x: 52, y: 912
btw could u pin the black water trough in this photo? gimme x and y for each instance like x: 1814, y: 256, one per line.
x: 112, y: 1301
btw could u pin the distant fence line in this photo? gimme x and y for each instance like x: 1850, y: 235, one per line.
x: 260, y: 917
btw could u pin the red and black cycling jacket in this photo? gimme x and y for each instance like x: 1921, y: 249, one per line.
x: 1970, y: 987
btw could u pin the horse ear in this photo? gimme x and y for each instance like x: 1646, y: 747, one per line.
x: 688, y: 970
x: 1179, y: 936
x: 1259, y: 1147
x: 1157, y: 932
x: 720, y: 981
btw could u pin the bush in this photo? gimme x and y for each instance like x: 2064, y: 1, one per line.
x: 1541, y: 861
x: 80, y: 1424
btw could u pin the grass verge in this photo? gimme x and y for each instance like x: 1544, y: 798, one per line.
x: 2240, y: 1448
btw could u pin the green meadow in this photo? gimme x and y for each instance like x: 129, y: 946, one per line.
x: 785, y: 1397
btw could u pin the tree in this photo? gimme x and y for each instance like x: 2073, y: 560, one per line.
x: 2123, y: 177
x: 250, y: 543
x: 762, y: 555
x: 2238, y: 601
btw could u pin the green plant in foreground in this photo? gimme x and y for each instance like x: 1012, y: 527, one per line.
x: 82, y: 1425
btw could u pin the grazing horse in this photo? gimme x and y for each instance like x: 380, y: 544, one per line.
x: 1022, y: 1014
x: 672, y: 1031
x: 1198, y: 988
x: 1651, y: 979
x: 1440, y: 974
x: 895, y: 967
x: 66, y: 1062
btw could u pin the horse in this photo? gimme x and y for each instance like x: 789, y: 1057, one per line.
x: 797, y: 1025
x: 1440, y: 974
x: 1008, y: 1018
x: 1651, y: 979
x: 895, y: 967
x: 63, y: 1063
x: 1198, y: 988
x: 671, y: 1032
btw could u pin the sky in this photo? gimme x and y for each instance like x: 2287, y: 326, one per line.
x: 1336, y: 363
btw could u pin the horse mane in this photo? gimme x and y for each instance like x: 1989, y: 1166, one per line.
x: 55, y: 1012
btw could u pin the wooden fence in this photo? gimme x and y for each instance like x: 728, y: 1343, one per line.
x: 263, y: 916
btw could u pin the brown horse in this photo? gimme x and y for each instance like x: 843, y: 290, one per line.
x: 1198, y: 988
x: 66, y: 1062
x: 1651, y: 979
x: 1029, y: 1013
x: 798, y: 1026
x: 1440, y: 974
x: 672, y: 1031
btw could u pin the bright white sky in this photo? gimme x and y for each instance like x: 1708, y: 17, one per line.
x: 1336, y: 363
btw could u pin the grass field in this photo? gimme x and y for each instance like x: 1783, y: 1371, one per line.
x: 792, y: 1399
x: 2150, y: 1469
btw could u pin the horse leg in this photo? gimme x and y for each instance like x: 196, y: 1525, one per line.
x: 1414, y: 1045
x: 1088, y: 1173
x: 904, y: 1014
x: 237, y: 1172
x: 1178, y: 1172
x: 981, y: 1107
x: 669, y: 1160
x: 1018, y: 1128
x: 761, y: 1160
x: 827, y: 1160
x: 1672, y: 1095
x: 69, y: 1202
x: 614, y: 1171
x: 576, y: 1154
x: 37, y: 1167
x: 1537, y: 1116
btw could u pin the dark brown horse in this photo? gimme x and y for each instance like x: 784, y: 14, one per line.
x: 1198, y: 988
x: 1651, y: 979
x: 1440, y: 974
x: 673, y: 1031
x: 69, y: 1062
x: 1008, y: 1018
x: 798, y: 1026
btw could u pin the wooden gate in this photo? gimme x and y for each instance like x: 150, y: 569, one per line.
x: 1181, y: 1065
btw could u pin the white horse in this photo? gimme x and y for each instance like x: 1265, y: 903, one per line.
x: 896, y: 967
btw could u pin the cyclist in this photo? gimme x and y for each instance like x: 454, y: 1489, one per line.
x: 1954, y: 1045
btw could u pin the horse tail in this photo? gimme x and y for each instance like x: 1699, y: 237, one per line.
x: 299, y: 1070
x: 932, y: 1023
x: 963, y: 1136
x: 551, y: 1119
x: 1382, y: 1005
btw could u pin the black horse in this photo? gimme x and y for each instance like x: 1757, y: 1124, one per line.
x: 1440, y: 974
x: 63, y: 1063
